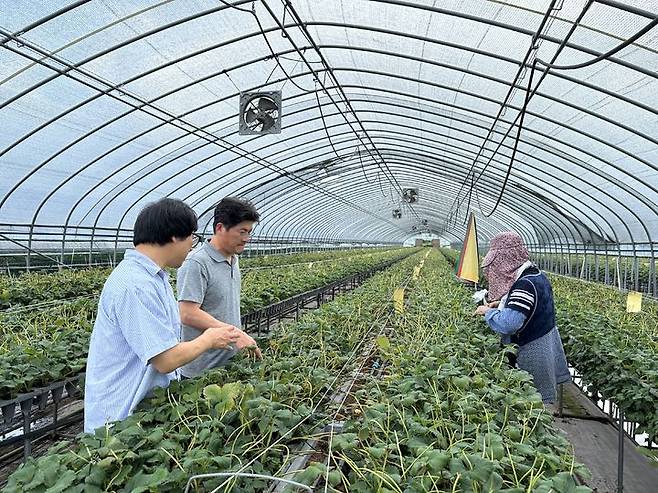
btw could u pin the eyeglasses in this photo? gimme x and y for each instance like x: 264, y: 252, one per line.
x: 196, y: 239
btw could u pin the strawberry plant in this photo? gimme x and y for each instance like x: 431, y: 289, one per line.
x: 615, y: 351
x: 40, y: 347
x: 248, y: 412
x: 297, y: 258
x: 30, y: 288
x: 448, y: 414
x: 35, y: 287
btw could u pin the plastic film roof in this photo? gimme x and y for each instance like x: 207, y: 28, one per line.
x: 106, y: 105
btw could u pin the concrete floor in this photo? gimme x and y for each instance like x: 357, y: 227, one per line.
x: 596, y: 444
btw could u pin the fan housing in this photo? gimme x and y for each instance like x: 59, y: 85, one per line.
x: 260, y: 113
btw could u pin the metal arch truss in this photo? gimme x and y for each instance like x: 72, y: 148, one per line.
x: 321, y: 216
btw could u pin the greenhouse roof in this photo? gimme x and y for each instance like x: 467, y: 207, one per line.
x: 536, y: 115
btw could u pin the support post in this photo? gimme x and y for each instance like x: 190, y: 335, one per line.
x: 620, y: 456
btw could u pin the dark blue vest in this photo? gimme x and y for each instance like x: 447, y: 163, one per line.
x: 542, y: 318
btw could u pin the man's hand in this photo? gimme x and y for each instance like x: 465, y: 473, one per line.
x: 246, y: 341
x: 221, y: 337
x: 493, y: 304
x: 184, y: 352
x: 482, y: 309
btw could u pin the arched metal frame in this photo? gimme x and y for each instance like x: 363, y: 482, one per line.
x: 630, y: 190
x: 612, y: 197
x: 317, y: 203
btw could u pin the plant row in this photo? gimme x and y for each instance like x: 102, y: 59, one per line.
x: 615, y: 352
x: 36, y: 287
x: 38, y: 348
x: 449, y: 413
x: 575, y: 263
x: 295, y: 258
x: 247, y: 415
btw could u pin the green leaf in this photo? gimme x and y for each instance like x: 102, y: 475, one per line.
x: 383, y: 342
x: 223, y: 398
x: 65, y: 480
x: 437, y: 461
x: 143, y: 483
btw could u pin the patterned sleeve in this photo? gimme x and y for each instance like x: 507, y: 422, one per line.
x: 522, y: 297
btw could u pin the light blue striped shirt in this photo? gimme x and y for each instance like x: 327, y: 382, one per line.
x: 137, y: 319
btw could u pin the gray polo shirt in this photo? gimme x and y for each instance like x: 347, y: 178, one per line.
x: 208, y: 278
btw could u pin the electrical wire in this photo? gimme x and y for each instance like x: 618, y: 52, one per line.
x: 381, y: 162
x: 550, y: 66
x: 275, y: 56
x: 230, y: 5
x: 456, y: 204
x: 267, y: 41
x: 603, y: 56
x: 516, y: 141
x: 324, y: 123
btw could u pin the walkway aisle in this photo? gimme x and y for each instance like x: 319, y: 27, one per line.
x: 595, y: 445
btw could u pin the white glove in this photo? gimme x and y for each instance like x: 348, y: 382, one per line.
x: 479, y: 296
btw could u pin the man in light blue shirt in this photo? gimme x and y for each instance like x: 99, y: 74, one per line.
x: 135, y: 345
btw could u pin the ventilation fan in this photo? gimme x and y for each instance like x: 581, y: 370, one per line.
x: 397, y: 213
x: 260, y: 113
x: 410, y: 195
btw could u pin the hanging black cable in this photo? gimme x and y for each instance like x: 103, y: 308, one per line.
x: 267, y: 41
x: 606, y: 55
x: 324, y: 124
x: 381, y: 162
x: 551, y: 65
x: 230, y: 5
x: 456, y: 204
x: 516, y: 141
x: 358, y: 152
x: 533, y: 47
x: 276, y: 58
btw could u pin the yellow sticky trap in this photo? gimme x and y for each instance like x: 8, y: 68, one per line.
x: 310, y: 264
x: 398, y: 300
x: 416, y: 272
x: 634, y: 302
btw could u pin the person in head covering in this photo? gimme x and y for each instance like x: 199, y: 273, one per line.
x: 523, y: 312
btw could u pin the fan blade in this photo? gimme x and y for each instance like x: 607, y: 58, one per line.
x: 267, y: 121
x: 250, y: 116
x: 265, y: 104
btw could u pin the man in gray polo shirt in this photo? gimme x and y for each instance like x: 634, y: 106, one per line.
x: 208, y: 283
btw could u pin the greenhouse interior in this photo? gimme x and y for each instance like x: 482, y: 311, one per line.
x: 392, y: 246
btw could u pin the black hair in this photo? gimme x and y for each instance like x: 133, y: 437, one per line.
x: 232, y: 211
x: 160, y: 221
